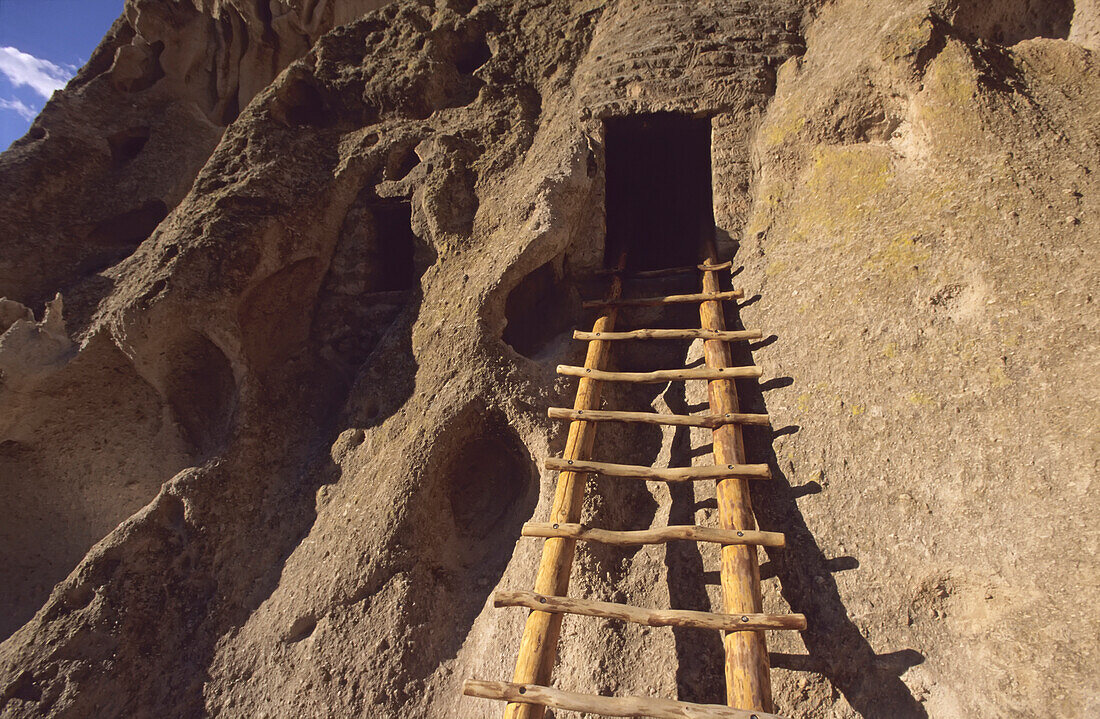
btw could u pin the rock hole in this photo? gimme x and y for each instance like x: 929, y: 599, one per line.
x: 115, y: 238
x: 37, y: 133
x: 537, y: 310
x: 231, y: 110
x: 276, y: 315
x: 137, y: 67
x: 470, y: 56
x: 462, y: 7
x: 1007, y: 23
x: 24, y: 688
x: 374, y: 273
x: 489, y: 476
x: 127, y: 144
x: 79, y: 596
x: 58, y: 505
x: 300, y: 629
x: 400, y: 163
x: 201, y: 391
x: 299, y: 104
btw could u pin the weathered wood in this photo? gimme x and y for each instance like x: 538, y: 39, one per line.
x: 607, y: 706
x: 748, y: 674
x: 663, y: 474
x: 665, y: 272
x: 657, y: 535
x: 661, y: 375
x: 676, y: 420
x: 666, y: 300
x: 685, y: 334
x: 539, y: 645
x: 649, y: 617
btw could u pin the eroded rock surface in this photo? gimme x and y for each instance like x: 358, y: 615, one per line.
x: 319, y: 260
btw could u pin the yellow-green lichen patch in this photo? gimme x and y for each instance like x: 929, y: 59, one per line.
x: 844, y: 187
x: 904, y: 41
x: 948, y: 106
x: 778, y: 130
x: 898, y: 258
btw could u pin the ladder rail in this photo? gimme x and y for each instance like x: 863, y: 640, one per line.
x: 747, y: 667
x: 539, y: 645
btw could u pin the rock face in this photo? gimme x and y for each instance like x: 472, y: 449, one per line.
x: 285, y: 285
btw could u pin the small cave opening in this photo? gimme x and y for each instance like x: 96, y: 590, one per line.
x: 275, y: 316
x: 202, y: 392
x: 299, y: 103
x: 127, y: 144
x: 113, y: 239
x: 1008, y: 23
x: 400, y: 162
x: 537, y: 310
x: 131, y: 228
x: 469, y: 56
x: 392, y: 256
x: 373, y: 276
x: 489, y: 478
x: 462, y: 7
x: 658, y: 189
x: 137, y: 67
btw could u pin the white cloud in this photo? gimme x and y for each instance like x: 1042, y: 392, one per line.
x: 40, y: 75
x: 19, y: 107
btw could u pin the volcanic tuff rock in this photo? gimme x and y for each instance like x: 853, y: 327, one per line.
x: 309, y: 267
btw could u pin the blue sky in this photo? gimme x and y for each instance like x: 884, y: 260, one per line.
x: 42, y: 44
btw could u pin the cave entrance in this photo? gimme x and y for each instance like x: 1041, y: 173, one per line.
x: 658, y: 189
x: 394, y: 250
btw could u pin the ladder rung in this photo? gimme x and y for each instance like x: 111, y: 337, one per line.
x: 677, y: 420
x: 607, y: 706
x: 689, y: 334
x: 665, y: 272
x: 666, y: 300
x: 649, y: 617
x: 662, y: 375
x: 670, y: 474
x: 657, y: 535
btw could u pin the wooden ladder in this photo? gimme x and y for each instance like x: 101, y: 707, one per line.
x: 748, y: 680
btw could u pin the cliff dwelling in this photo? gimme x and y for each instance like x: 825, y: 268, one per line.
x: 469, y: 358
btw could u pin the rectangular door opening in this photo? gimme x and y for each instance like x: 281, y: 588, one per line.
x: 658, y: 190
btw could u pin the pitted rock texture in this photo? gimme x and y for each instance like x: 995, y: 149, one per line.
x: 310, y: 267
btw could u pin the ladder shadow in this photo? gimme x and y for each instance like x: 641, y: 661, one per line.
x: 700, y: 655
x: 871, y: 683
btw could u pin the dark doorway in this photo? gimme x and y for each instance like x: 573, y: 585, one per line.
x: 658, y: 189
x: 392, y: 254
